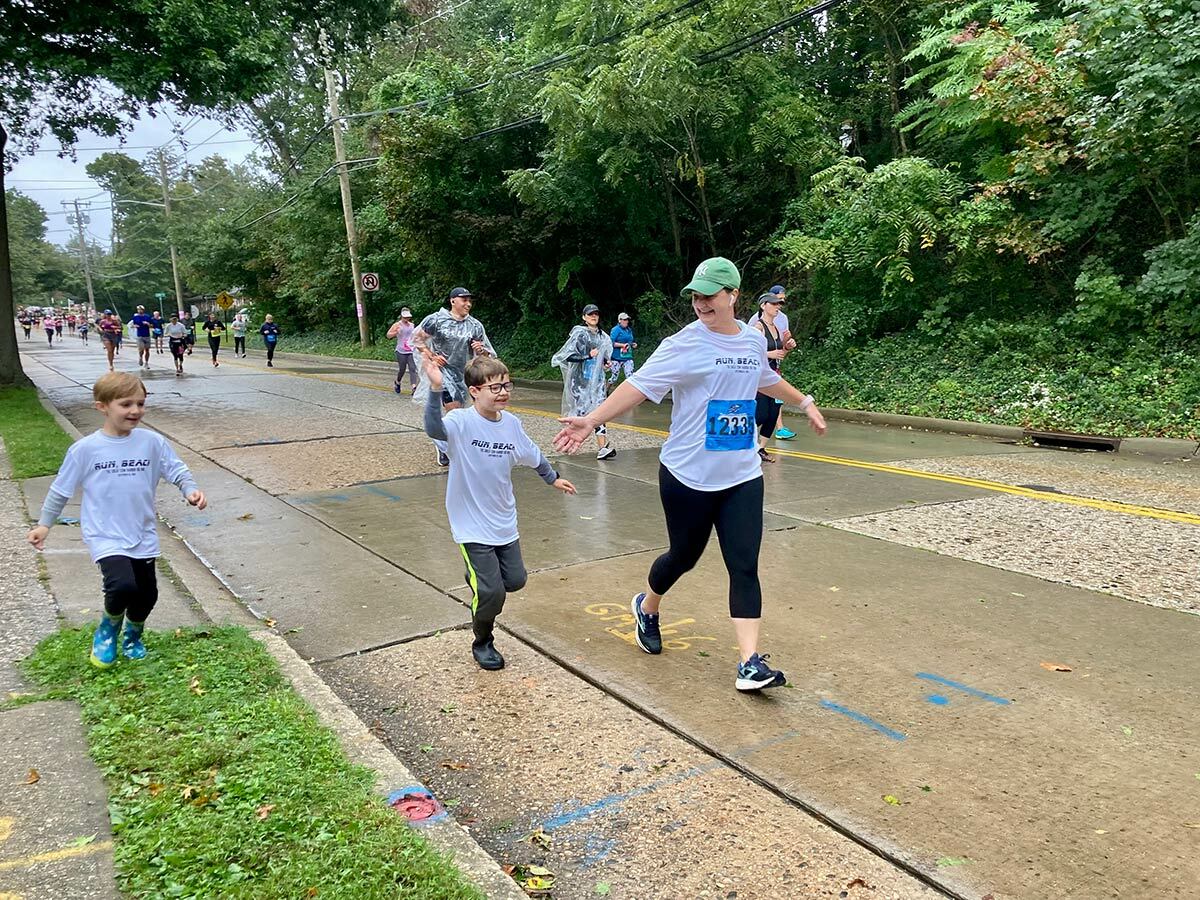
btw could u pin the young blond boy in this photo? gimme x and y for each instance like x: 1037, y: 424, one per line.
x: 118, y: 469
x: 484, y: 442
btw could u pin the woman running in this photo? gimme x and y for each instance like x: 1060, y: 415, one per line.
x: 110, y: 334
x: 710, y: 473
x: 177, y: 335
x: 215, y: 329
x: 766, y: 409
x: 583, y: 359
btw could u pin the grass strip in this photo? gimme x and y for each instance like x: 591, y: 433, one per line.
x: 34, y: 441
x: 222, y: 782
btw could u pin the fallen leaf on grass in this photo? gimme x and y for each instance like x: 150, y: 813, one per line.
x: 194, y: 686
x: 33, y: 777
x: 155, y: 788
x: 1055, y: 667
x: 894, y: 801
x: 860, y: 882
x: 263, y: 811
x: 188, y: 792
x: 455, y: 765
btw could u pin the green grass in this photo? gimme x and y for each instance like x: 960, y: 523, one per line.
x: 34, y: 441
x: 222, y: 783
x: 326, y: 343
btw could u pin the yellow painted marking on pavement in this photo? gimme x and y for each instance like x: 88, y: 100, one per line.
x: 24, y: 862
x: 1131, y: 509
x: 6, y: 828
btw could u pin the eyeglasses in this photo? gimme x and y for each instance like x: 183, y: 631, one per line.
x: 505, y: 386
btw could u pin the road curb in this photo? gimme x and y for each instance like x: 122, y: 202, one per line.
x: 1167, y: 448
x: 392, y: 776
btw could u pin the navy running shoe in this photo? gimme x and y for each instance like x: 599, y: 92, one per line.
x: 754, y: 675
x: 646, y: 633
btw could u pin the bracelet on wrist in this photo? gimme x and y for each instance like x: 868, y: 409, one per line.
x: 808, y: 401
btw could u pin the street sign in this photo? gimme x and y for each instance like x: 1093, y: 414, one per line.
x: 160, y: 296
x: 224, y: 300
x: 370, y: 281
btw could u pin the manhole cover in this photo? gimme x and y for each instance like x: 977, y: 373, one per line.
x: 416, y: 805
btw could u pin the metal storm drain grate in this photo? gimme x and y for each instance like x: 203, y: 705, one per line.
x: 416, y: 804
x: 1065, y: 440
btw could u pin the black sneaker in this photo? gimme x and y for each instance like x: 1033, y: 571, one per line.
x: 646, y: 635
x: 487, y: 656
x: 397, y: 388
x: 754, y: 675
x: 443, y: 460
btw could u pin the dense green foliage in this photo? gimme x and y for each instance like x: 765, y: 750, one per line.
x: 923, y: 172
x: 34, y: 442
x: 222, y: 783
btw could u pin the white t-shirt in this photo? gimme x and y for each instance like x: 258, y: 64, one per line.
x: 713, y: 379
x: 118, y: 477
x: 479, y: 493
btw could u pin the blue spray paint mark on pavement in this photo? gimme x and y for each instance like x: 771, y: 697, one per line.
x: 965, y: 688
x: 379, y: 492
x: 938, y: 700
x: 864, y: 719
x: 614, y: 800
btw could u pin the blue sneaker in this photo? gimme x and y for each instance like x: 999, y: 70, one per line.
x: 784, y: 434
x: 131, y: 640
x: 646, y: 634
x: 754, y: 675
x: 104, y: 643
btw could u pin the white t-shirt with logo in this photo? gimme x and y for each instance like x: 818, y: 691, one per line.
x: 713, y: 379
x: 479, y: 493
x: 118, y: 476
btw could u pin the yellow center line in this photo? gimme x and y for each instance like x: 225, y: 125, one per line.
x: 24, y: 862
x: 1132, y: 509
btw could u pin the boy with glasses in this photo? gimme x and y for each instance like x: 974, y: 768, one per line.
x: 484, y: 443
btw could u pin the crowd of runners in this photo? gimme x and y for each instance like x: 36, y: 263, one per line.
x: 727, y: 392
x: 149, y: 330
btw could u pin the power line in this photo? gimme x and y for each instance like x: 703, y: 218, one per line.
x: 138, y: 146
x: 370, y: 160
x: 157, y: 259
x: 717, y: 54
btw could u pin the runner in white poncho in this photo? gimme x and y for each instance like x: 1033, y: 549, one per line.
x: 583, y: 360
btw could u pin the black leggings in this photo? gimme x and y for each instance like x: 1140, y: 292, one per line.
x: 214, y: 344
x: 239, y: 345
x: 737, y: 513
x: 130, y: 587
x: 270, y: 352
x: 766, y: 414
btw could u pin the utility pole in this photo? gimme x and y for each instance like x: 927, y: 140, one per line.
x: 364, y: 335
x: 162, y: 172
x: 83, y: 249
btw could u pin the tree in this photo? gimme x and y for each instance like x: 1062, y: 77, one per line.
x: 68, y: 67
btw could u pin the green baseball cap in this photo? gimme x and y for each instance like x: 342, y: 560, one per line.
x: 712, y: 275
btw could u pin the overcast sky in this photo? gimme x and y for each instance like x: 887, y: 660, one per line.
x: 52, y: 181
